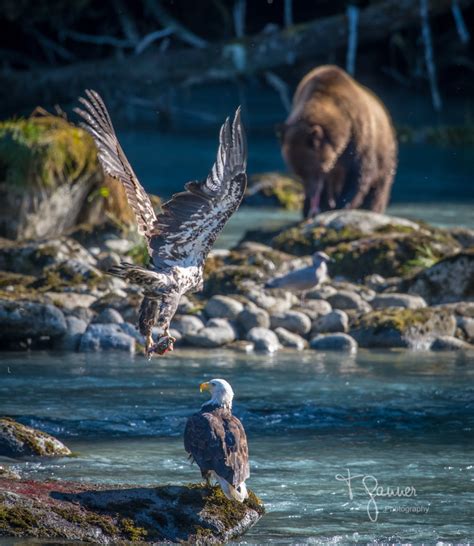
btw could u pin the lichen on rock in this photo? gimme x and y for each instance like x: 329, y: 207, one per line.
x: 192, y: 514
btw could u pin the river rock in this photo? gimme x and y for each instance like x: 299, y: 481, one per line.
x: 132, y: 331
x: 106, y: 337
x: 382, y: 301
x: 323, y: 292
x: 449, y: 280
x: 290, y: 339
x: 414, y: 328
x: 187, y: 324
x: 466, y: 325
x: 335, y: 321
x: 109, y: 315
x: 346, y: 299
x: 315, y: 308
x: 252, y: 316
x: 21, y: 319
x: 126, y: 304
x: 105, y: 514
x: 70, y: 300
x: 217, y: 332
x: 449, y: 343
x: 294, y: 321
x: 72, y: 338
x: 334, y: 342
x: 223, y: 307
x: 264, y: 339
x: 17, y: 440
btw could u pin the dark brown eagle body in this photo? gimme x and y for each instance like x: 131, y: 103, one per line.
x: 216, y: 441
x: 180, y: 237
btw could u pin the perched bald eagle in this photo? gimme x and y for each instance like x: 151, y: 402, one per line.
x: 216, y: 440
x: 181, y: 236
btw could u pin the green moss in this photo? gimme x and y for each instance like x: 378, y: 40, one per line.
x: 73, y: 515
x: 132, y: 531
x: 43, y: 151
x: 139, y: 253
x: 401, y: 320
x: 230, y: 278
x: 15, y: 518
x: 230, y: 512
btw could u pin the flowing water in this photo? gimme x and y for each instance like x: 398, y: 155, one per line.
x: 313, y: 420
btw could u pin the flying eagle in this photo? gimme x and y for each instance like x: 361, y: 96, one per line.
x: 215, y: 439
x: 181, y: 236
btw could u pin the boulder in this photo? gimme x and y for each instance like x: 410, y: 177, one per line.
x: 21, y: 320
x: 407, y: 301
x: 105, y: 514
x: 71, y: 300
x: 449, y: 280
x: 216, y: 333
x: 334, y: 342
x: 106, y: 337
x: 132, y: 331
x: 252, y: 316
x: 414, y: 328
x: 127, y: 305
x: 346, y: 299
x: 335, y: 321
x: 223, y: 307
x: 449, y: 343
x: 466, y: 325
x: 71, y: 340
x: 187, y: 324
x: 294, y: 321
x: 263, y: 339
x: 315, y: 308
x: 290, y: 340
x: 17, y: 440
x: 109, y: 315
x: 274, y: 190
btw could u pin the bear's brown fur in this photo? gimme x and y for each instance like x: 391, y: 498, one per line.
x: 340, y: 141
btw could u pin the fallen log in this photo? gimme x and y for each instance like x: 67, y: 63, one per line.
x: 147, y: 75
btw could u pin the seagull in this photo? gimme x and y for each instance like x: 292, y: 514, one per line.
x: 216, y: 440
x: 306, y: 278
x: 180, y: 237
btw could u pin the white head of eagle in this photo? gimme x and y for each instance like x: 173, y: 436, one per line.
x: 216, y: 440
x: 221, y: 393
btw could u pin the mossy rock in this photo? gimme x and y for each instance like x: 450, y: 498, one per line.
x: 449, y: 280
x: 17, y: 440
x: 191, y: 514
x: 391, y: 328
x: 274, y: 190
x: 50, y: 179
x: 231, y: 279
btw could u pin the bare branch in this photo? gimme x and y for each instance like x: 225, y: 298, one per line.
x: 168, y: 21
x: 281, y: 87
x: 126, y: 21
x: 238, y: 11
x: 147, y: 40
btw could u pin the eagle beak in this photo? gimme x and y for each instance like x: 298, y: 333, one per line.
x: 204, y: 387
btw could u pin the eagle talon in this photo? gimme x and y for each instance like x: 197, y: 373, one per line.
x: 163, y: 345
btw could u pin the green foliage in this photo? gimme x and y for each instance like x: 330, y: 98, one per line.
x: 44, y: 151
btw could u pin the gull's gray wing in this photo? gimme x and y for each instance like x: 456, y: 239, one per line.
x: 113, y: 160
x: 191, y: 220
x: 301, y: 279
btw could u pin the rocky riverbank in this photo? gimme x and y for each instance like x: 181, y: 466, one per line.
x: 393, y: 283
x: 101, y: 514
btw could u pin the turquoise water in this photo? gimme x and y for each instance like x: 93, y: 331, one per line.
x: 404, y: 419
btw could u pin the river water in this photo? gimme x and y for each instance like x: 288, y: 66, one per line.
x: 404, y: 419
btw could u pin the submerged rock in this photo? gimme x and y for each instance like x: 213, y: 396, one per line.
x: 449, y: 343
x: 334, y: 342
x: 17, y: 440
x: 415, y: 328
x: 102, y: 514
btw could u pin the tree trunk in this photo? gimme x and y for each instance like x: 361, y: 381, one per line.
x: 149, y: 74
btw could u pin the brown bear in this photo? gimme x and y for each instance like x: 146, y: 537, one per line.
x: 340, y: 141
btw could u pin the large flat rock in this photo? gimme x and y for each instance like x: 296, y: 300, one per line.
x: 110, y: 515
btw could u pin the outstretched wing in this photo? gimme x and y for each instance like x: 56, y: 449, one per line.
x: 218, y: 444
x: 191, y: 220
x: 113, y: 160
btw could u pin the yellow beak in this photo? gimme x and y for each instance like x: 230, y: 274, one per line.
x: 204, y: 387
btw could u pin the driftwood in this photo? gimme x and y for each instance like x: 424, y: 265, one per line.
x: 147, y: 75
